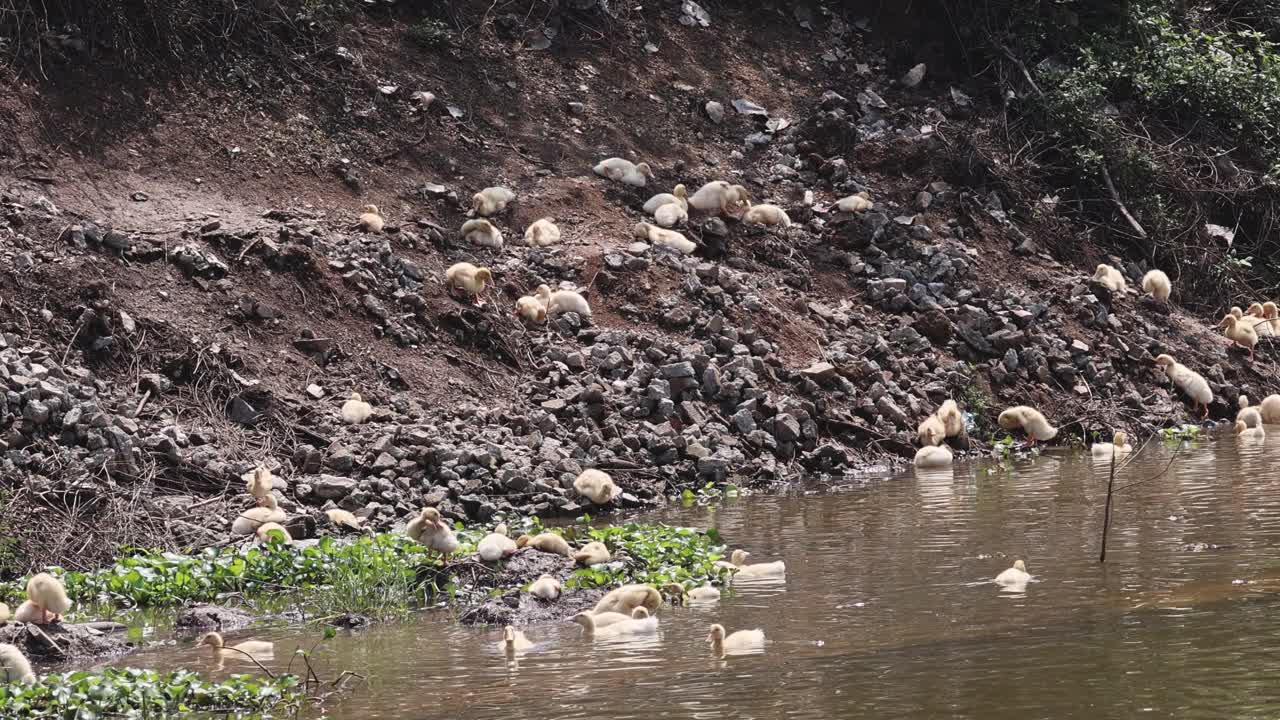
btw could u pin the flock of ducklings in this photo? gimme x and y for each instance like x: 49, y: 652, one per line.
x: 45, y: 604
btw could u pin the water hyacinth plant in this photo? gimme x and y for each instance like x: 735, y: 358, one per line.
x: 149, y: 694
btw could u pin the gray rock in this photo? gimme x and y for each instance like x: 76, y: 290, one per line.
x: 715, y: 111
x: 332, y: 487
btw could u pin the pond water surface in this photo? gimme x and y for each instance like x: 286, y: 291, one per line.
x: 888, y: 611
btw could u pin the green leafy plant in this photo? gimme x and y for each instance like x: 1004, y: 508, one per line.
x: 657, y: 554
x: 1181, y: 433
x: 147, y: 694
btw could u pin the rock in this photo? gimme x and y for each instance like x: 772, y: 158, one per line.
x: 819, y: 372
x: 332, y: 487
x: 715, y: 111
x: 786, y: 428
x: 213, y: 617
x: 890, y: 411
x: 914, y: 76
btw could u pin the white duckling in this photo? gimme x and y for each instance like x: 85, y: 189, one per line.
x: 1270, y: 409
x: 1030, y: 420
x: 345, y: 519
x: 704, y: 594
x: 479, y: 231
x: 1189, y: 382
x: 496, y: 545
x: 593, y: 553
x: 605, y: 619
x: 1255, y: 317
x: 624, y: 171
x: 1118, y: 447
x: 670, y: 215
x: 931, y: 432
x: 720, y: 197
x: 14, y: 666
x: 541, y: 233
x: 1110, y: 278
x: 635, y: 625
x: 1157, y: 284
x: 266, y: 532
x: 545, y: 542
x: 1244, y: 432
x: 859, y: 202
x: 1014, y: 576
x: 430, y: 529
x: 355, y: 410
x: 563, y: 301
x: 371, y: 219
x: 740, y: 642
x: 490, y: 201
x: 629, y: 597
x: 27, y: 612
x: 531, y: 309
x: 1250, y: 416
x: 667, y: 238
x: 1271, y: 312
x: 4, y: 613
x: 248, y: 521
x: 257, y: 649
x: 678, y: 196
x: 468, y: 279
x: 596, y: 486
x: 1240, y: 332
x: 514, y: 641
x: 765, y: 214
x: 933, y: 456
x: 952, y: 419
x: 546, y: 588
x: 48, y: 595
x: 259, y: 482
x: 770, y: 569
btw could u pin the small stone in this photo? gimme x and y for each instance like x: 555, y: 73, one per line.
x: 715, y: 111
x: 914, y: 76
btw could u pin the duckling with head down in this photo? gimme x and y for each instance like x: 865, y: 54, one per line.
x: 1117, y: 448
x: 355, y: 411
x: 496, y: 545
x: 546, y: 588
x: 596, y: 486
x: 1030, y: 420
x: 491, y: 201
x: 370, y: 219
x: 629, y: 597
x: 1157, y: 284
x: 430, y: 529
x: 593, y: 553
x: 933, y: 456
x: 14, y: 666
x: 542, y: 233
x: 1110, y: 278
x: 48, y: 595
x: 468, y: 279
x: 545, y: 542
x: 624, y: 171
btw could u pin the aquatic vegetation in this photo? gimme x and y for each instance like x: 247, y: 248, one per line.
x: 146, y: 693
x: 1181, y: 433
x: 710, y: 492
x: 659, y: 554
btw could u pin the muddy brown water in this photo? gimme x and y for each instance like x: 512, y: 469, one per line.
x: 887, y: 610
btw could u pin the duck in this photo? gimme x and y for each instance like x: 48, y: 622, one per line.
x: 627, y: 598
x: 1157, y: 284
x: 630, y: 626
x: 545, y: 542
x: 531, y: 309
x: 259, y: 482
x: 952, y: 419
x: 596, y: 486
x: 355, y: 411
x: 496, y: 545
x: 624, y: 171
x: 265, y: 531
x: 546, y: 588
x: 678, y: 196
x: 666, y: 238
x: 514, y: 641
x: 605, y: 619
x: 1244, y: 432
x: 248, y: 521
x: 593, y: 553
x: 1016, y: 575
x: 1270, y: 409
x: 563, y: 301
x: 1250, y: 416
x: 1110, y: 278
x: 704, y: 594
x: 1189, y: 382
x: 4, y: 613
x: 541, y: 233
x: 14, y: 666
x: 1240, y: 332
x: 468, y: 278
x: 27, y: 612
x: 490, y: 201
x: 345, y: 519
x: 479, y: 231
x: 1256, y: 319
x: 430, y: 529
x: 1118, y: 447
x: 670, y: 215
x: 742, y: 641
x: 765, y: 214
x: 770, y: 569
x: 371, y: 219
x: 933, y: 456
x: 1272, y: 313
x: 931, y: 432
x: 719, y: 196
x: 257, y: 649
x: 1030, y: 420
x: 856, y: 203
x: 48, y: 595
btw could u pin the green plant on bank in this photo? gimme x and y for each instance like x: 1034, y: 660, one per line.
x: 974, y: 402
x: 1002, y: 449
x: 1182, y: 433
x: 148, y: 694
x: 709, y: 493
x: 658, y: 555
x: 430, y: 34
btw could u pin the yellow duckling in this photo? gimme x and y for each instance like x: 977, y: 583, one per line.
x: 514, y: 641
x: 1030, y: 420
x: 1255, y: 317
x: 770, y: 569
x: 666, y: 238
x: 670, y: 215
x: 14, y: 666
x: 1016, y: 575
x: 593, y: 553
x: 345, y: 519
x: 563, y: 301
x: 482, y: 232
x: 4, y: 613
x: 430, y: 529
x: 371, y: 219
x: 765, y: 214
x: 952, y: 419
x: 1157, y: 284
x: 541, y: 233
x: 1250, y: 416
x: 739, y: 643
x: 496, y: 545
x: 248, y: 521
x: 267, y: 531
x: 259, y: 482
x: 490, y: 201
x: 1240, y: 332
x: 1270, y: 409
x: 531, y: 309
x: 624, y: 171
x: 1244, y: 432
x: 931, y: 432
x: 596, y: 486
x: 931, y: 456
x: 1110, y: 278
x: 678, y: 196
x: 545, y: 542
x: 546, y: 588
x: 720, y: 197
x: 859, y: 202
x: 627, y: 598
x: 257, y: 649
x: 355, y: 410
x: 1189, y: 382
x: 48, y: 595
x: 1272, y: 313
x: 1118, y: 447
x: 27, y: 612
x: 643, y: 625
x: 469, y: 279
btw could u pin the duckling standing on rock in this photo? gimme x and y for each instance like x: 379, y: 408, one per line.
x: 248, y: 521
x: 481, y: 232
x: 496, y: 545
x: 1117, y: 448
x: 541, y: 233
x: 545, y: 542
x: 371, y: 219
x: 593, y: 553
x: 1244, y: 432
x: 596, y: 486
x: 1030, y: 420
x: 355, y: 410
x: 742, y: 641
x: 1157, y: 283
x: 490, y: 201
x: 468, y: 278
x: 14, y: 666
x: 47, y: 594
x: 627, y: 598
x: 430, y: 529
x: 767, y: 215
x: 563, y: 301
x: 624, y: 171
x: 1271, y: 312
x: 546, y: 588
x: 260, y: 482
x: 933, y: 456
x: 1110, y: 278
x: 1189, y: 382
x: 1240, y: 332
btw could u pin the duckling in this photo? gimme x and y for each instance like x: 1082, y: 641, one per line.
x: 670, y: 215
x: 355, y: 411
x: 48, y: 595
x: 1157, y: 284
x: 531, y: 309
x: 248, y: 521
x: 14, y: 666
x: 563, y: 301
x: 496, y: 545
x: 1244, y: 432
x: 430, y: 529
x: 767, y: 215
x: 952, y: 420
x: 593, y: 553
x: 1189, y: 382
x: 344, y: 519
x: 547, y: 588
x: 678, y: 196
x: 933, y: 456
x: 257, y: 649
x: 596, y: 486
x: 27, y: 612
x: 545, y: 542
x: 514, y: 641
x: 668, y: 238
x: 490, y: 201
x: 1270, y: 409
x: 859, y: 202
x: 1250, y: 416
x: 1110, y: 278
x: 541, y: 233
x: 1118, y: 447
x: 1272, y: 313
x: 1236, y: 311
x: 1016, y: 575
x: 1030, y: 420
x: 605, y: 619
x: 4, y: 613
x: 266, y: 530
x: 468, y: 278
x: 259, y: 482
x: 624, y: 171
x: 1255, y: 318
x: 742, y: 641
x: 719, y: 196
x: 371, y: 219
x: 772, y: 569
x: 479, y: 231
x: 704, y: 594
x: 627, y: 598
x: 630, y: 626
x: 932, y: 431
x: 1240, y: 332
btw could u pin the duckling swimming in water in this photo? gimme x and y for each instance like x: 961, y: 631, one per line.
x: 514, y: 641
x: 1118, y: 447
x: 629, y: 597
x: 934, y: 456
x: 769, y: 569
x: 1014, y: 576
x: 742, y: 641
